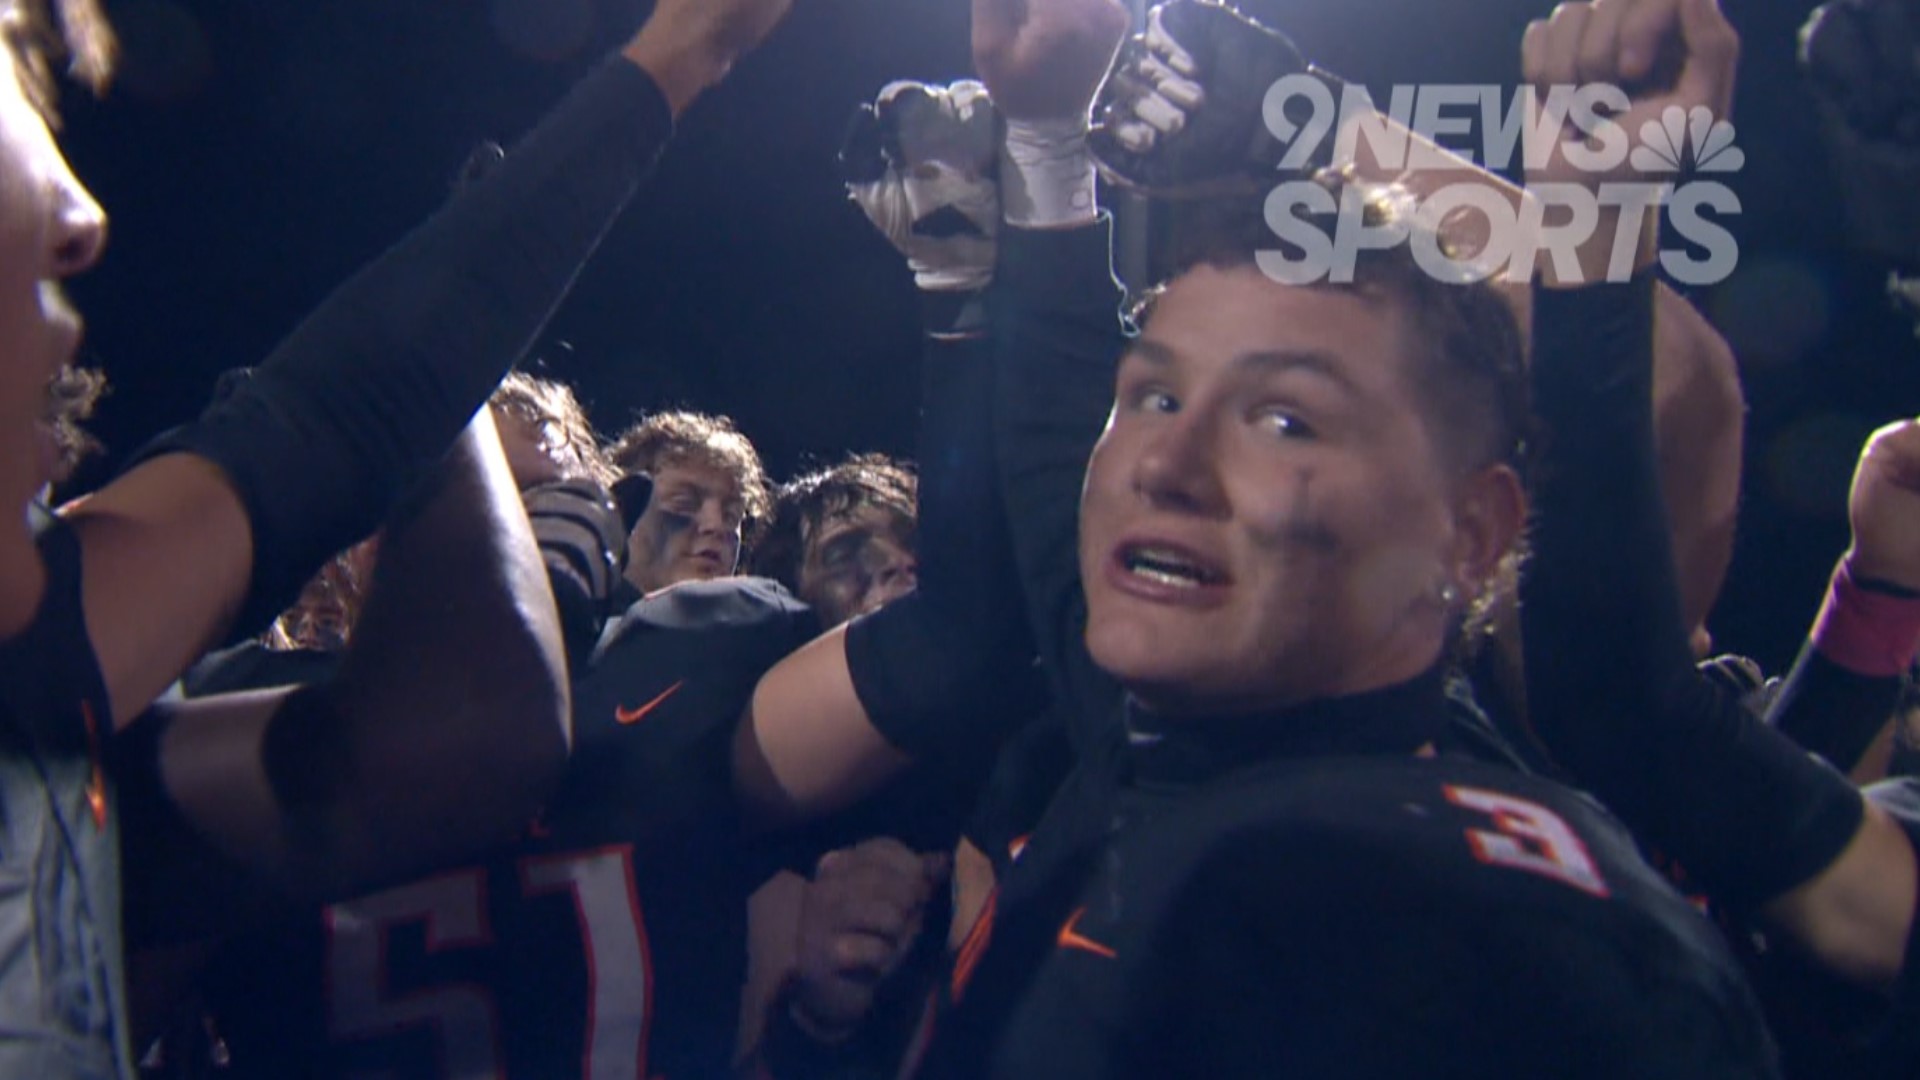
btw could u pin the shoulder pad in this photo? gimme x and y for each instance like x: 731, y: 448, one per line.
x: 723, y: 603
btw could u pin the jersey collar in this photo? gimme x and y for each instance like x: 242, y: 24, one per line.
x: 1394, y: 721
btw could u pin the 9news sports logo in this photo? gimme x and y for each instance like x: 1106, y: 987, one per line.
x: 1678, y: 163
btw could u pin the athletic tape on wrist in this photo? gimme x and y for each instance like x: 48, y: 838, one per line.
x: 1047, y: 176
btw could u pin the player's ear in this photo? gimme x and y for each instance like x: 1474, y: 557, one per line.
x: 1489, y: 511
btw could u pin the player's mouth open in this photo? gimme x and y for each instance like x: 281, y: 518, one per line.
x: 1167, y: 566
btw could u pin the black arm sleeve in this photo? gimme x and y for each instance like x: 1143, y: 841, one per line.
x: 1611, y: 689
x: 1831, y: 711
x: 371, y: 389
x: 949, y: 669
x: 179, y: 885
x: 1056, y: 318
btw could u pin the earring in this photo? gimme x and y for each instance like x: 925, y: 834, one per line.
x: 1449, y: 595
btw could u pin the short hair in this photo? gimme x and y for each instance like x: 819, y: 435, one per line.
x: 1471, y: 359
x: 683, y: 437
x: 803, y: 504
x: 72, y: 395
x: 546, y: 403
x: 52, y: 32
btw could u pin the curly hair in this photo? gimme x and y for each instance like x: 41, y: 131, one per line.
x: 803, y: 504
x: 329, y: 605
x: 682, y: 437
x: 45, y: 34
x: 72, y: 395
x: 551, y: 408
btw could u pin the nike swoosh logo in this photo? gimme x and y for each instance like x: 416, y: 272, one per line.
x: 1071, y: 938
x: 634, y: 716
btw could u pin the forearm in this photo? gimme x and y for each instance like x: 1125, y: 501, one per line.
x: 1832, y: 711
x: 1750, y: 816
x: 932, y: 675
x: 966, y: 570
x: 1845, y: 688
x: 1601, y: 555
x: 372, y: 387
x: 970, y: 610
x: 436, y: 737
x: 453, y: 701
x: 1059, y: 336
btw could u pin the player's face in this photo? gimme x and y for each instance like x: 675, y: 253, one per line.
x: 50, y: 227
x: 690, y: 531
x: 533, y: 447
x: 323, y: 616
x: 857, y: 562
x: 1267, y: 519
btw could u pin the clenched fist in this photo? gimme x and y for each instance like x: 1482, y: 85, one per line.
x: 1045, y: 59
x: 1663, y: 54
x: 859, y: 918
x: 1884, y: 508
x: 689, y: 45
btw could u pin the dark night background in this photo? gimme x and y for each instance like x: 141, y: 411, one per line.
x: 256, y: 152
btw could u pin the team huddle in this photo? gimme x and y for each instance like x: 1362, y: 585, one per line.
x: 1246, y: 678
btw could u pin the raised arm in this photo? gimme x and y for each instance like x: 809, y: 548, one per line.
x: 1056, y: 305
x: 221, y: 521
x: 416, y: 754
x: 1845, y: 687
x: 947, y: 667
x: 838, y: 718
x: 1610, y: 688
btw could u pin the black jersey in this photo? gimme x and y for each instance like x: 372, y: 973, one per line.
x: 609, y: 942
x: 1025, y: 778
x: 60, y: 965
x: 1238, y: 900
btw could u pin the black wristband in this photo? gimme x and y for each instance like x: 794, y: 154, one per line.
x: 1831, y: 711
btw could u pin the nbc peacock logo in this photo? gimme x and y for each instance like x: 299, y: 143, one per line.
x: 1687, y: 140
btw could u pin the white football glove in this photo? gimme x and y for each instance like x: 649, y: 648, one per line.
x: 920, y: 162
